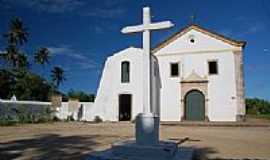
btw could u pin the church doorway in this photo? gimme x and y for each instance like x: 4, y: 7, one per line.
x: 194, y: 106
x: 125, y: 107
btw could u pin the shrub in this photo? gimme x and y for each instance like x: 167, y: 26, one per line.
x: 70, y: 118
x: 257, y: 106
x: 7, y: 121
x: 11, y: 114
x: 97, y: 119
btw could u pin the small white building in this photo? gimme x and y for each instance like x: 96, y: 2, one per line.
x: 196, y: 75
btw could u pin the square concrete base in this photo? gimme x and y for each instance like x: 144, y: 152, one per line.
x: 129, y: 150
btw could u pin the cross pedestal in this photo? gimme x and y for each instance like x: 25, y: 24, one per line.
x: 147, y: 129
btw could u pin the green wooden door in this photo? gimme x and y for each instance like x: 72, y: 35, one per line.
x: 194, y: 106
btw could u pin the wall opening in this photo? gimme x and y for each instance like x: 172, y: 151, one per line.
x: 195, y: 106
x: 125, y: 101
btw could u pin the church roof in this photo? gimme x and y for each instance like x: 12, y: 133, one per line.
x: 194, y: 77
x: 202, y: 30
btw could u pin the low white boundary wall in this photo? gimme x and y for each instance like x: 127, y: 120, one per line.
x: 61, y: 112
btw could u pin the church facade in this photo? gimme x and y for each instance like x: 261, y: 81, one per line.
x: 197, y: 76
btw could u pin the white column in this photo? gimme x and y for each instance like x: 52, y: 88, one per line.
x: 146, y: 62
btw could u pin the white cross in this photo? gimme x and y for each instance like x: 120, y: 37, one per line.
x: 146, y: 27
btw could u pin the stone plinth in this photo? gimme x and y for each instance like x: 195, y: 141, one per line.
x: 129, y: 150
x: 163, y: 150
x: 147, y: 129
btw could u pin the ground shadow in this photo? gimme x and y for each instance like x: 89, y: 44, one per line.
x: 205, y: 152
x: 49, y: 146
x: 57, y: 147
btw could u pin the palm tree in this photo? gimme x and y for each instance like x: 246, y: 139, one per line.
x: 42, y: 56
x: 22, y: 62
x: 15, y: 58
x: 57, y: 75
x: 17, y: 34
x: 11, y: 55
x: 3, y: 56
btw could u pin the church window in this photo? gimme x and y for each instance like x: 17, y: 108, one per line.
x: 174, y: 69
x: 191, y: 39
x: 213, y: 67
x: 125, y: 72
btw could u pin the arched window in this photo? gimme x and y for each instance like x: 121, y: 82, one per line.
x: 125, y: 72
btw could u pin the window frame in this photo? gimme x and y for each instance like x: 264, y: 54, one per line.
x: 171, y: 64
x: 122, y: 72
x: 217, y: 66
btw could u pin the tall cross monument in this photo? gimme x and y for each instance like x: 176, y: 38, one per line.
x: 147, y: 124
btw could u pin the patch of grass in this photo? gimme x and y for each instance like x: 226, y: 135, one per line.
x: 259, y: 116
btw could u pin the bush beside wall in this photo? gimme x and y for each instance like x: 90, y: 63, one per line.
x: 11, y: 114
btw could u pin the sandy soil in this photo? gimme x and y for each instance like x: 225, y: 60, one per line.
x: 77, y: 140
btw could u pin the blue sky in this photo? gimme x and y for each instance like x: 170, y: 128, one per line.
x: 81, y: 34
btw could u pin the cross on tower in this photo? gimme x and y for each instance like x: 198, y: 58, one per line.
x: 146, y: 28
x: 192, y: 19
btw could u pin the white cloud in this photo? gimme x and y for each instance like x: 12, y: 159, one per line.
x: 252, y: 29
x: 97, y: 29
x: 53, y: 6
x: 242, y: 18
x: 226, y: 32
x: 256, y: 28
x: 256, y: 68
x: 247, y: 29
x: 79, y: 58
x: 104, y: 9
x: 106, y: 13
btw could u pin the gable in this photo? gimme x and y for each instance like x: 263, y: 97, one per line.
x: 128, y: 52
x: 196, y: 39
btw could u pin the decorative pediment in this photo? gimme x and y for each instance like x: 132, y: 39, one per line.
x: 195, y: 38
x: 194, y: 77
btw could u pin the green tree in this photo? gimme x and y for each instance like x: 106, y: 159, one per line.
x: 42, y: 56
x: 30, y: 86
x: 22, y: 62
x: 7, y: 81
x: 82, y: 96
x: 11, y: 55
x: 57, y: 75
x: 15, y: 75
x: 257, y: 106
x: 17, y: 34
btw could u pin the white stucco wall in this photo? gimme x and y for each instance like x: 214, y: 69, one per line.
x: 191, y: 57
x: 63, y: 111
x: 195, y: 57
x: 221, y: 87
x: 107, y: 100
x: 106, y: 103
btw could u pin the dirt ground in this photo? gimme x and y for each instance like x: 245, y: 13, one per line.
x: 76, y: 140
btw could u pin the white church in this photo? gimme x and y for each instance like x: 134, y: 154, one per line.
x: 197, y: 75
